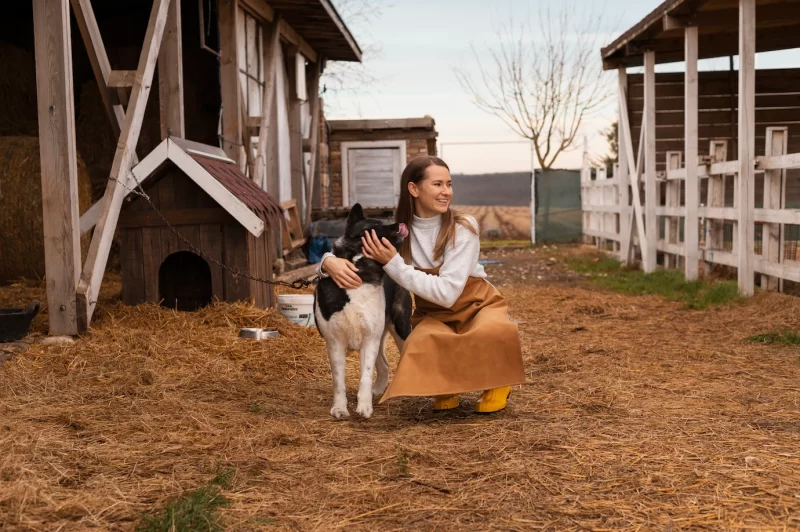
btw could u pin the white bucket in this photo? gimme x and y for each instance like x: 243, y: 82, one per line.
x: 299, y: 308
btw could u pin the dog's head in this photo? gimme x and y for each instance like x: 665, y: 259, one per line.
x: 357, y: 225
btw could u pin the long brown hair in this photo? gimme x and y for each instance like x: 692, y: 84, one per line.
x: 415, y: 172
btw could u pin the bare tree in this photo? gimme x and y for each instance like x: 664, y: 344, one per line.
x: 342, y: 78
x: 542, y: 80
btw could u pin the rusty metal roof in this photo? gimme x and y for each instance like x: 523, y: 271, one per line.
x: 238, y: 184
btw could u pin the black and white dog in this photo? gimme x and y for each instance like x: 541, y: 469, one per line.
x: 360, y: 318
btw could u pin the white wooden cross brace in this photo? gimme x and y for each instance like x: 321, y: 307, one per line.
x: 92, y: 276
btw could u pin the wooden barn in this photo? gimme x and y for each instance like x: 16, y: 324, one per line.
x: 209, y: 214
x: 366, y: 158
x: 709, y: 162
x: 113, y: 79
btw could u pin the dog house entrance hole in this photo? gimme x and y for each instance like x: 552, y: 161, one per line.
x: 184, y: 281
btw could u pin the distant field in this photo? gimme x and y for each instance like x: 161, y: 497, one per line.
x: 500, y: 222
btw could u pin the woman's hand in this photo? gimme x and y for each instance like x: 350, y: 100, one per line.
x: 380, y: 250
x: 342, y: 271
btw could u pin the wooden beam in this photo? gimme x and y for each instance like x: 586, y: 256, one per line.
x: 92, y: 276
x: 59, y: 163
x: 170, y: 76
x: 228, y: 12
x: 691, y: 229
x: 774, y: 190
x: 121, y: 79
x: 272, y: 54
x: 259, y: 8
x: 93, y: 42
x: 779, y: 162
x: 295, y: 133
x: 313, y: 88
x: 650, y: 184
x: 293, y: 38
x: 747, y: 148
x: 632, y: 176
x: 673, y: 23
x: 624, y: 171
x: 673, y: 200
x: 342, y: 28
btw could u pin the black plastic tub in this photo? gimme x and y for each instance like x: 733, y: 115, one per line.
x: 15, y: 322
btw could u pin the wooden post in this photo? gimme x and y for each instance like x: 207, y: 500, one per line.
x: 650, y: 184
x: 228, y: 11
x: 747, y: 116
x: 313, y: 95
x: 633, y: 176
x: 774, y: 190
x: 622, y: 178
x: 718, y: 149
x: 691, y: 229
x: 272, y: 53
x: 170, y: 76
x: 92, y: 275
x: 295, y: 130
x: 673, y: 200
x: 56, y: 107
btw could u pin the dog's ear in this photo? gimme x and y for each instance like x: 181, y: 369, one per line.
x: 356, y: 214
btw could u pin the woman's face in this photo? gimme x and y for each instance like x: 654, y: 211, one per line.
x: 434, y: 193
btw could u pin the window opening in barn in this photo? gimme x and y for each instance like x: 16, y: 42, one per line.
x: 251, y: 69
x: 184, y: 282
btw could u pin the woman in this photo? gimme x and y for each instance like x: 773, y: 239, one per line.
x: 462, y: 339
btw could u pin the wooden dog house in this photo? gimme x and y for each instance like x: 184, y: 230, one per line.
x: 223, y: 217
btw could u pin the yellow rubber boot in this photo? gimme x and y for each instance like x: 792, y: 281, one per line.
x: 445, y: 402
x: 493, y: 400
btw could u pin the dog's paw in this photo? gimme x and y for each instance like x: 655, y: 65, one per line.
x: 340, y: 412
x: 364, y: 409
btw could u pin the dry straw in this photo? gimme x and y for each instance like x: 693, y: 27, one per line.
x: 638, y: 415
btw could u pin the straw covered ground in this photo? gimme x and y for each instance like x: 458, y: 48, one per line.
x: 638, y: 414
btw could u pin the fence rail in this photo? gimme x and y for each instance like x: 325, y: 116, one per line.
x: 608, y: 212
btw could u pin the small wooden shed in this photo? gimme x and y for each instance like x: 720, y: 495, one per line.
x: 205, y: 212
x: 366, y: 158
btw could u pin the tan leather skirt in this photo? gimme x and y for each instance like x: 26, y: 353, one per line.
x: 471, y: 346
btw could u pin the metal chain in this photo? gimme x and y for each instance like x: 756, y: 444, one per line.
x: 296, y: 285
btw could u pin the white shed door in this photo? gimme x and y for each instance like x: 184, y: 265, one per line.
x: 374, y: 176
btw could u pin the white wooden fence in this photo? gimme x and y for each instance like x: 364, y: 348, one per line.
x: 609, y: 218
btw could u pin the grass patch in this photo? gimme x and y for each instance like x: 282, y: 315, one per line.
x: 773, y: 338
x: 505, y: 243
x: 608, y: 273
x: 194, y: 510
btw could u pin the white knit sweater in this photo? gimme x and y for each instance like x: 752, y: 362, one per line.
x: 460, y: 261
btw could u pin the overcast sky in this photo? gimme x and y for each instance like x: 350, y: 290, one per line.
x: 422, y: 41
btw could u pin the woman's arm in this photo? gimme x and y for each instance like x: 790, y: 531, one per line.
x: 343, y: 272
x: 444, y: 289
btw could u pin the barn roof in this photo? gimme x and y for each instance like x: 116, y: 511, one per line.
x: 426, y: 123
x: 218, y: 176
x: 318, y: 22
x: 777, y: 28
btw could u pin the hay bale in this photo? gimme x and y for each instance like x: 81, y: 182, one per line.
x: 21, y: 208
x: 18, y: 111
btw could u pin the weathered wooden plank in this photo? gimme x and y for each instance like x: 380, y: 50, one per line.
x: 175, y: 217
x: 210, y: 243
x: 56, y: 111
x: 673, y: 201
x: 691, y: 231
x: 293, y: 38
x: 272, y: 54
x: 623, y: 189
x: 228, y: 14
x: 633, y: 176
x: 170, y: 76
x: 235, y: 256
x: 747, y: 118
x: 92, y: 275
x: 121, y: 79
x: 130, y: 256
x: 774, y: 187
x: 151, y: 262
x: 649, y: 248
x: 311, y: 171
